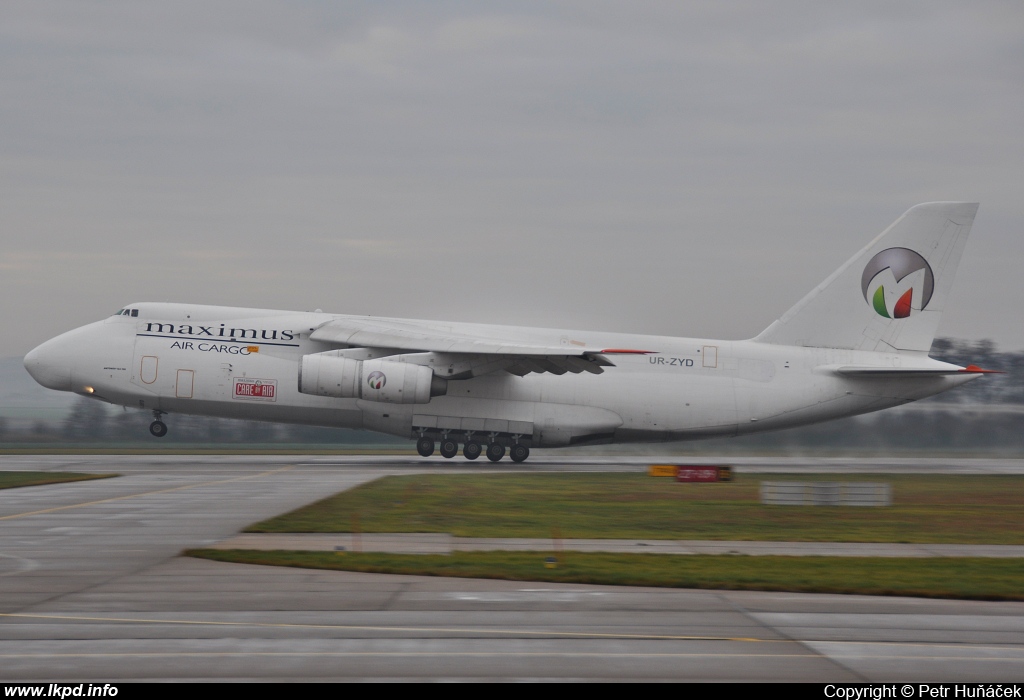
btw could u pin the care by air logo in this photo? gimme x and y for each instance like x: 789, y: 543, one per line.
x: 376, y: 380
x: 890, y: 279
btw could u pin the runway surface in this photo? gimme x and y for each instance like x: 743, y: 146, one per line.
x: 92, y: 589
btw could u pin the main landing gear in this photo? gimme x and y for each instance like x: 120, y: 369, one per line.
x: 472, y: 448
x: 425, y: 446
x: 519, y: 453
x: 158, y: 428
x: 449, y: 448
x: 495, y: 451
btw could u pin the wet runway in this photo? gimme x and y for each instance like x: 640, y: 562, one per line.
x: 92, y: 589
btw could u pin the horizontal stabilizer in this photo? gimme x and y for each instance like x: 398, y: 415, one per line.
x: 896, y: 372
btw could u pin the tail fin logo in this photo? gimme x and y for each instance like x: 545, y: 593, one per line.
x: 890, y: 279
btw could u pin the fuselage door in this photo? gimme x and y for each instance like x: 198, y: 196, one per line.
x: 148, y: 369
x: 710, y: 356
x: 184, y: 384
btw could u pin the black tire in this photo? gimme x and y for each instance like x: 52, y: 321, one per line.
x: 425, y: 446
x: 472, y: 450
x: 449, y: 448
x: 519, y: 453
x: 158, y: 428
x: 495, y: 452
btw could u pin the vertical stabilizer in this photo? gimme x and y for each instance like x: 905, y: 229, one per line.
x: 890, y: 295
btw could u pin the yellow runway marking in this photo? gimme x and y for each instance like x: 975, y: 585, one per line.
x: 503, y: 654
x: 375, y: 628
x: 499, y: 653
x: 1011, y: 653
x: 146, y: 493
x: 1017, y: 650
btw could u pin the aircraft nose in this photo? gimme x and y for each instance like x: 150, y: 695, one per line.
x: 50, y: 365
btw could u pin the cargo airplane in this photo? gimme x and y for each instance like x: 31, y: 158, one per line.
x: 858, y: 342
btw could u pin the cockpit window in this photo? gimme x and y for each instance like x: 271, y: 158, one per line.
x: 128, y: 312
x: 135, y: 312
x: 121, y: 312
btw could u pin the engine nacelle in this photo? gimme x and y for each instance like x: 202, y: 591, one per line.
x: 373, y: 380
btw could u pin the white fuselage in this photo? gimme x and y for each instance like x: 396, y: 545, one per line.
x: 244, y: 363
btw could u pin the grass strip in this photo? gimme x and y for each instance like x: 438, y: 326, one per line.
x: 958, y: 578
x: 13, y: 480
x: 952, y: 509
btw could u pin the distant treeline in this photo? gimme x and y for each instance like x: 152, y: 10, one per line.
x: 1006, y: 388
x: 92, y: 422
x: 946, y: 429
x: 986, y: 415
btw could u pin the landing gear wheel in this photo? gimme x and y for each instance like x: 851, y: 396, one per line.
x: 158, y: 428
x: 472, y: 450
x: 495, y: 452
x: 519, y: 453
x: 425, y: 446
x: 449, y: 448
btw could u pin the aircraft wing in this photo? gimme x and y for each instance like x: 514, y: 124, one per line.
x: 486, y: 354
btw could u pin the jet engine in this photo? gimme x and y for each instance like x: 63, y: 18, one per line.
x: 373, y: 380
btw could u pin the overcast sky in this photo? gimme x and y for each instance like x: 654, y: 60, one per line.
x: 659, y: 167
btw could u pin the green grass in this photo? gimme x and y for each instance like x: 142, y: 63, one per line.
x: 962, y: 578
x: 964, y: 509
x: 12, y: 480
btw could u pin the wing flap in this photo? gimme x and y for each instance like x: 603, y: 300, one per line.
x: 371, y: 333
x: 515, y: 357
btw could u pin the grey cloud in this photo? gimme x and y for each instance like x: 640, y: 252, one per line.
x: 684, y: 169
